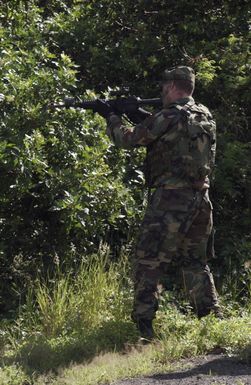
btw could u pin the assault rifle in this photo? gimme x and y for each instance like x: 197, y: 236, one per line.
x: 121, y: 105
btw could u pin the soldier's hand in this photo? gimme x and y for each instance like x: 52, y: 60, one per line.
x: 138, y: 116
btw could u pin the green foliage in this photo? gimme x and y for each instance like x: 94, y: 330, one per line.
x: 66, y: 192
x: 131, y: 43
x: 67, y: 322
x: 78, y: 301
x: 73, y: 317
x: 64, y: 189
x: 13, y: 375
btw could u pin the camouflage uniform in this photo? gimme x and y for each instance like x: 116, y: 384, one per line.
x: 178, y: 220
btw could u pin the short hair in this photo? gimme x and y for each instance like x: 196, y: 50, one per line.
x: 184, y: 85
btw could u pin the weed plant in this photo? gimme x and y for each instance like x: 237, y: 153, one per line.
x: 76, y: 329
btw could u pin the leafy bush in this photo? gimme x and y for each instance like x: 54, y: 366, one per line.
x: 62, y: 192
x: 64, y: 188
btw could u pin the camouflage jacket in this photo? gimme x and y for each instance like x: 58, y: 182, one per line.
x: 164, y: 137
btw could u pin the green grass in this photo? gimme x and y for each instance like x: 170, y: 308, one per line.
x: 77, y: 330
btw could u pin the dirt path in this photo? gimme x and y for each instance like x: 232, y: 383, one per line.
x: 207, y: 370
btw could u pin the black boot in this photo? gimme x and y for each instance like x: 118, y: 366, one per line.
x: 145, y: 328
x: 216, y: 310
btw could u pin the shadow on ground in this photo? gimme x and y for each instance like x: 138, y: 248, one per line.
x: 43, y: 355
x: 218, y: 366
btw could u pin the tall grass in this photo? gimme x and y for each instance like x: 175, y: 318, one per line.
x: 77, y: 316
x: 78, y: 302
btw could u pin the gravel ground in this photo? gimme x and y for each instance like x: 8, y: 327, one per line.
x: 207, y: 370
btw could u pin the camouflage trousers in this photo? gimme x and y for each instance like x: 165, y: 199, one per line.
x: 173, y: 242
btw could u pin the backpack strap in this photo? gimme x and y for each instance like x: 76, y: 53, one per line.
x: 185, y: 110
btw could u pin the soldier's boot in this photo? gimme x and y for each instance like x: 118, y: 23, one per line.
x: 216, y: 310
x: 145, y: 328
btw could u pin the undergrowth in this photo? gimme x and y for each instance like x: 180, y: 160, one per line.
x: 77, y: 329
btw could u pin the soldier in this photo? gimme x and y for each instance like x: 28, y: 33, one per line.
x: 180, y: 142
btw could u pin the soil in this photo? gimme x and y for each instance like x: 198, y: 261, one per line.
x: 207, y: 370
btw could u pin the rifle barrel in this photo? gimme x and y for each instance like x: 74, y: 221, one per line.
x: 91, y: 104
x: 156, y: 102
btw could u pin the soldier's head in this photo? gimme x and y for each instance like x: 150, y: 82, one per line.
x: 177, y: 83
